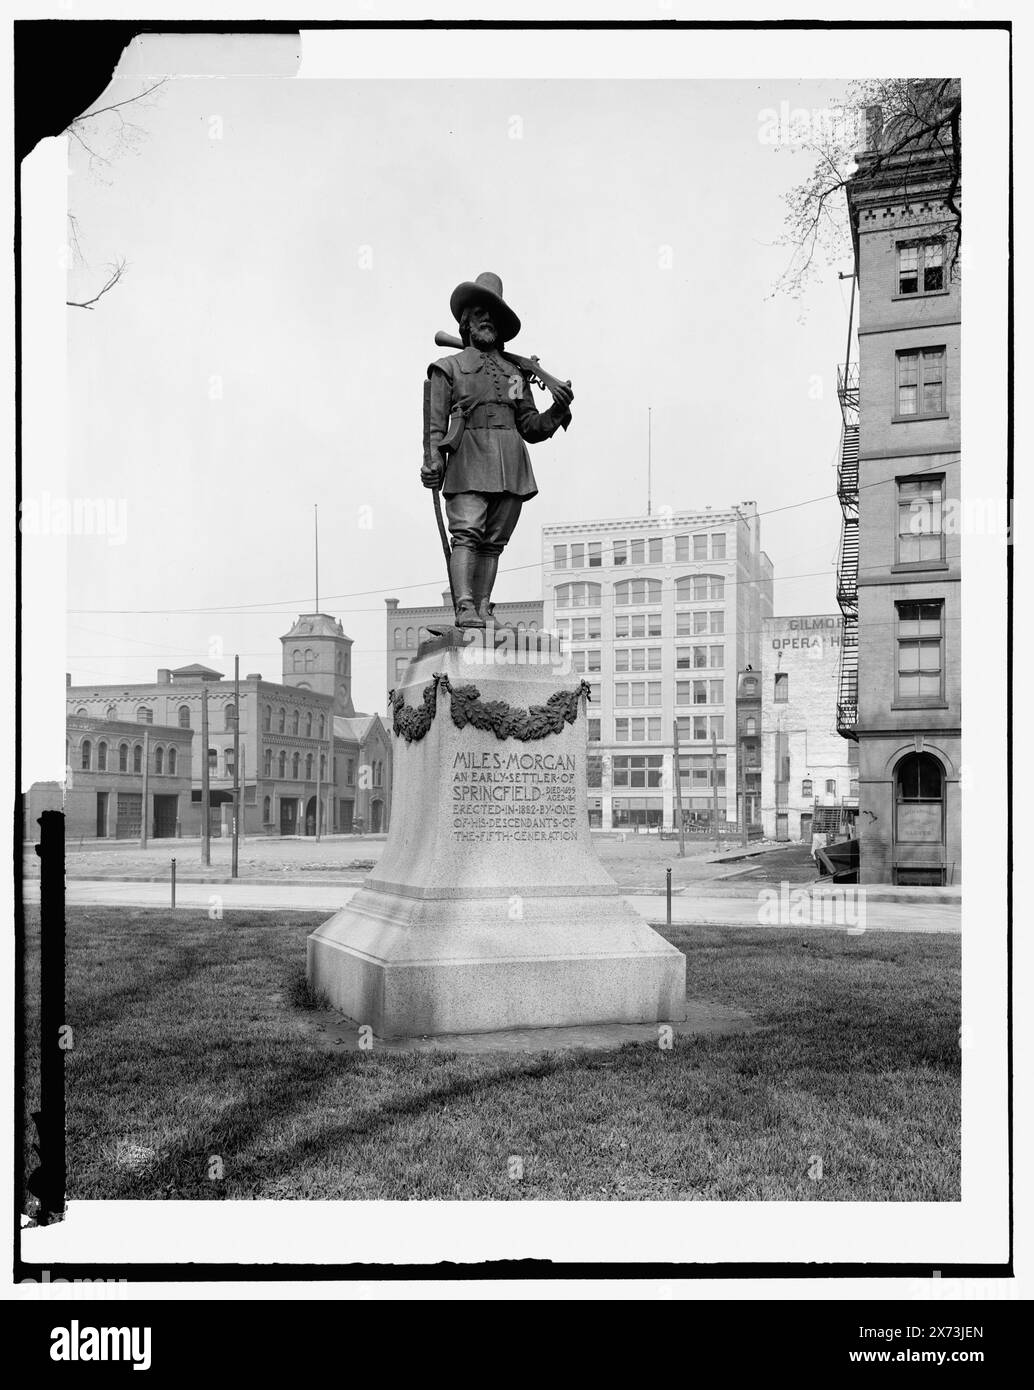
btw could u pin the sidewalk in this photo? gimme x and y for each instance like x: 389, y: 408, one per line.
x: 688, y: 908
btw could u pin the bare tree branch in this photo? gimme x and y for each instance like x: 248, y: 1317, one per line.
x: 117, y: 271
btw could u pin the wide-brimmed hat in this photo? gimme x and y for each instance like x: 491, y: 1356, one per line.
x: 486, y: 289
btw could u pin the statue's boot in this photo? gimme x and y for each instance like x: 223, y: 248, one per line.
x: 484, y: 579
x: 461, y: 572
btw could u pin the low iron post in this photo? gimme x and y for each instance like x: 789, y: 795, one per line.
x: 669, y: 896
x: 174, y: 883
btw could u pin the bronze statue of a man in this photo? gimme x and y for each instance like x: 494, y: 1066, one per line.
x: 483, y: 470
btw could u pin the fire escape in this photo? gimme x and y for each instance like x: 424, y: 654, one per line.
x: 847, y: 564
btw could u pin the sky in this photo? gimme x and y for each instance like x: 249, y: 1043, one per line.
x: 291, y: 248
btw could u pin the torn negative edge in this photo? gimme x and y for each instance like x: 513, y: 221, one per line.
x: 44, y: 1196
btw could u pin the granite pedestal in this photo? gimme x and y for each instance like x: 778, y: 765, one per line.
x: 489, y: 909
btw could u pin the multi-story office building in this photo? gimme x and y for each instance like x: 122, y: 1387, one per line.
x: 408, y: 627
x: 900, y: 567
x: 809, y: 775
x: 659, y: 613
x: 304, y: 751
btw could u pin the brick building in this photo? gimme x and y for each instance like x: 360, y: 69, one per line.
x: 809, y: 774
x: 117, y: 772
x: 302, y: 744
x: 900, y: 568
x: 407, y: 627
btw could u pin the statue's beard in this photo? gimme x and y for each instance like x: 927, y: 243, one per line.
x: 484, y: 337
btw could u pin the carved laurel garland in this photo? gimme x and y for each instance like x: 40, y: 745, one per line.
x: 467, y: 707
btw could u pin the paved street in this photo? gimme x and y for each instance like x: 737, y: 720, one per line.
x: 745, y: 909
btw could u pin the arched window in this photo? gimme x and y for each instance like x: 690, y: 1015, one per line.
x: 172, y: 762
x: 213, y: 760
x: 138, y: 757
x: 398, y: 638
x: 265, y: 809
x: 281, y: 721
x: 159, y: 760
x: 123, y: 757
x: 267, y: 763
x: 112, y: 712
x: 323, y: 767
x: 296, y: 764
x: 919, y: 797
x: 102, y: 757
x: 580, y: 594
x: 323, y: 725
x: 637, y: 591
x: 267, y: 718
x: 410, y: 637
x: 282, y: 764
x: 296, y: 659
x: 308, y: 724
x: 144, y: 715
x: 82, y: 711
x: 340, y: 665
x: 310, y: 659
x: 294, y: 721
x: 87, y: 751
x: 228, y: 714
x: 308, y: 767
x: 699, y: 588
x: 751, y: 725
x: 184, y: 716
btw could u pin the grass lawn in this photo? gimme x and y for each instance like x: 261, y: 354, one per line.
x: 195, y: 1053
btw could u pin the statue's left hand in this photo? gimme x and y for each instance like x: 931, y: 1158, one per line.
x: 563, y: 395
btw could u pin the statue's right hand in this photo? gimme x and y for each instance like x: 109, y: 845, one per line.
x: 431, y: 477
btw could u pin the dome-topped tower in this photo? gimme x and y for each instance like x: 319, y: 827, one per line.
x: 318, y: 656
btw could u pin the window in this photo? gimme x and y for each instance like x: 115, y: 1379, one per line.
x: 638, y: 552
x: 637, y: 591
x: 308, y: 767
x: 852, y: 787
x: 266, y: 808
x: 401, y: 662
x: 82, y: 711
x: 323, y: 767
x: 718, y: 725
x: 322, y: 725
x: 698, y: 588
x: 87, y: 754
x: 112, y: 712
x: 681, y: 550
x: 920, y: 267
x: 750, y: 725
x: 684, y: 692
x: 410, y: 638
x: 350, y: 772
x: 267, y: 763
x: 699, y: 726
x: 172, y: 762
x: 717, y: 622
x: 637, y: 730
x: 831, y: 786
x: 919, y: 799
x: 921, y: 382
x: 638, y: 625
x: 102, y: 757
x: 228, y: 763
x: 717, y: 692
x: 310, y: 659
x: 308, y: 724
x: 595, y: 555
x: 560, y: 557
x: 920, y: 635
x: 700, y: 547
x: 144, y: 715
x: 718, y: 546
x: 295, y: 721
x: 595, y: 689
x: 638, y: 770
x: 594, y: 731
x: 296, y: 659
x: 267, y: 718
x: 578, y: 595
x: 577, y: 556
x: 282, y: 764
x: 782, y: 687
x: 717, y: 655
x: 296, y: 765
x: 159, y: 760
x: 228, y: 717
x: 920, y: 526
x: 123, y: 757
x: 750, y: 685
x: 806, y: 787
x: 397, y: 636
x: 281, y: 721
x: 621, y: 552
x: 656, y: 551
x: 138, y: 757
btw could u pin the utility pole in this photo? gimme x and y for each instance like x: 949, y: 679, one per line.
x: 714, y: 782
x: 206, y: 827
x: 649, y: 460
x: 244, y: 786
x: 316, y: 525
x: 741, y: 777
x: 143, y: 808
x: 319, y: 787
x: 236, y: 764
x: 678, y: 791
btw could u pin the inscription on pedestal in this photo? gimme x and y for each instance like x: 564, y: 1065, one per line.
x: 514, y: 796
